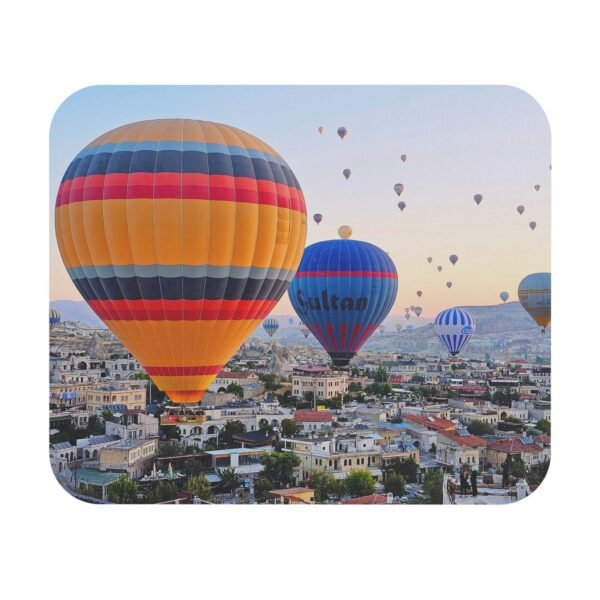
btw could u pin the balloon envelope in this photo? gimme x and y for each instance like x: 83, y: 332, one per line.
x: 403, y: 158
x: 535, y: 297
x: 398, y: 326
x: 532, y: 225
x: 448, y: 284
x: 317, y: 218
x: 54, y: 318
x: 342, y: 291
x: 504, y: 296
x: 536, y: 187
x: 419, y: 293
x: 454, y: 327
x: 291, y: 321
x: 439, y: 268
x: 342, y: 132
x: 478, y: 198
x: 321, y: 130
x: 399, y: 188
x: 520, y: 209
x: 453, y: 259
x: 418, y: 311
x: 347, y: 173
x: 182, y: 236
x: 270, y: 325
x: 401, y: 205
x: 407, y: 316
x: 429, y: 259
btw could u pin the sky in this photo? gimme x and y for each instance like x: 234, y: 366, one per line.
x: 459, y: 141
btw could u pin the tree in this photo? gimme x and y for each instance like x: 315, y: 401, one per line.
x: 262, y: 487
x: 354, y: 387
x: 279, y: 467
x: 229, y: 430
x: 379, y: 389
x: 169, y: 449
x: 264, y: 425
x: 380, y: 375
x: 290, y: 428
x: 192, y: 466
x: 432, y: 486
x: 395, y: 484
x: 270, y: 381
x: 309, y: 397
x: 107, y: 415
x: 477, y: 427
x: 198, y: 485
x: 229, y: 479
x: 408, y: 468
x: 166, y: 490
x: 517, y: 466
x: 123, y: 491
x: 171, y: 432
x: 544, y: 426
x: 359, y: 483
x: 324, y: 484
x: 234, y: 388
x: 95, y: 426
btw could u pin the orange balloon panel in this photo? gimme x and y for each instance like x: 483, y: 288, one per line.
x: 182, y: 236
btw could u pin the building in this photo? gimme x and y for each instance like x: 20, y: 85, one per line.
x: 508, y: 386
x: 246, y: 461
x: 532, y: 450
x: 540, y: 376
x: 372, y: 499
x: 324, y: 385
x: 458, y: 448
x: 313, y: 420
x: 128, y: 456
x: 248, y: 380
x: 294, y: 495
x: 132, y: 396
x: 133, y: 425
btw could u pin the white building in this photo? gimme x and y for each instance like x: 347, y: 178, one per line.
x: 324, y: 385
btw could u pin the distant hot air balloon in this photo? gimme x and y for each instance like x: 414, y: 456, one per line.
x: 291, y: 321
x: 429, y: 259
x: 381, y: 328
x: 347, y: 173
x: 535, y: 297
x: 520, y: 209
x: 453, y: 259
x: 304, y: 330
x: 454, y: 327
x: 399, y: 188
x: 478, y: 198
x: 317, y: 218
x: 54, y: 318
x: 412, y: 308
x: 320, y: 129
x: 345, y: 231
x: 398, y: 327
x: 401, y: 205
x: 504, y: 296
x: 419, y: 293
x: 439, y: 268
x: 407, y: 309
x: 182, y: 236
x: 343, y: 290
x: 342, y: 132
x: 532, y: 225
x: 448, y: 284
x: 407, y: 316
x: 403, y: 157
x: 418, y: 311
x: 271, y: 326
x: 536, y: 187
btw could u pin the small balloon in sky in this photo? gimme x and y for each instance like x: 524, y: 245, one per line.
x: 342, y: 132
x: 347, y: 173
x: 429, y: 259
x: 401, y: 205
x: 520, y: 209
x: 478, y: 198
x: 504, y: 296
x: 345, y: 231
x: 418, y: 311
x: 399, y: 188
x: 536, y: 187
x: 532, y: 225
x: 403, y: 157
x: 398, y: 326
x: 407, y: 316
x: 453, y: 259
x: 439, y: 268
x: 317, y: 218
x: 321, y: 129
x: 419, y: 293
x: 448, y: 284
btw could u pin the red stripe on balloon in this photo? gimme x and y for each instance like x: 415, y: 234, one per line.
x: 181, y: 310
x: 184, y: 371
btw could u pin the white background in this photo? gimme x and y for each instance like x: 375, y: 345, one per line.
x: 55, y: 546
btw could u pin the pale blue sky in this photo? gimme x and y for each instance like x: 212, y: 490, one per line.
x: 460, y: 140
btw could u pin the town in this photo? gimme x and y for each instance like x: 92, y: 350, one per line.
x: 279, y: 426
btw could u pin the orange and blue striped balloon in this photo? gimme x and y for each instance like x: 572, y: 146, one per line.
x: 181, y: 235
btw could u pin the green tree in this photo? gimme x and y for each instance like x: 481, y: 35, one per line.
x: 408, y: 468
x: 123, y: 491
x: 262, y: 487
x: 95, y: 426
x: 279, y: 467
x: 477, y: 427
x: 395, y: 484
x: 324, y: 483
x: 544, y: 426
x: 517, y: 466
x: 432, y: 486
x: 107, y: 415
x: 171, y: 432
x: 198, y: 485
x: 270, y: 381
x: 380, y: 375
x: 379, y: 389
x: 169, y: 449
x: 354, y: 387
x: 309, y: 397
x: 237, y: 390
x: 165, y: 490
x: 290, y: 428
x: 264, y: 425
x: 229, y: 479
x: 359, y: 482
x: 229, y: 430
x: 192, y: 466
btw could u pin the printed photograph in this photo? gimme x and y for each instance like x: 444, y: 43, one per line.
x: 300, y: 295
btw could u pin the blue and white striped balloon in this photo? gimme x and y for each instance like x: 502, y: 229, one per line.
x: 270, y: 325
x: 454, y: 327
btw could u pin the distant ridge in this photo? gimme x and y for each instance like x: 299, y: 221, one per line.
x: 77, y: 310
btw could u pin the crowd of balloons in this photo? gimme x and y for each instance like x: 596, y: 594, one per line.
x: 183, y: 235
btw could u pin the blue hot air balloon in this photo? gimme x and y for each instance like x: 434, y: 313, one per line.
x: 535, y: 297
x: 270, y: 325
x: 54, y: 318
x: 454, y: 327
x: 342, y: 291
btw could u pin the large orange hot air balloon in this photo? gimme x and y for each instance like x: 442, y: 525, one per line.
x: 182, y: 235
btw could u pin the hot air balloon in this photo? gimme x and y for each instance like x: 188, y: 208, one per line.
x: 54, y: 318
x: 347, y: 173
x: 381, y: 328
x: 399, y: 188
x: 439, y: 268
x: 407, y: 309
x: 532, y: 225
x: 478, y: 198
x: 398, y: 327
x: 182, y: 236
x: 536, y: 187
x: 419, y: 293
x: 403, y: 157
x: 453, y: 259
x: 448, y: 284
x: 343, y: 290
x: 271, y: 326
x: 401, y: 205
x: 304, y: 330
x: 342, y: 132
x: 429, y: 259
x: 317, y: 218
x: 520, y: 209
x: 407, y: 316
x: 345, y: 231
x: 504, y: 296
x: 535, y: 297
x: 412, y: 308
x: 418, y: 311
x: 320, y: 129
x: 454, y: 327
x: 291, y: 321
